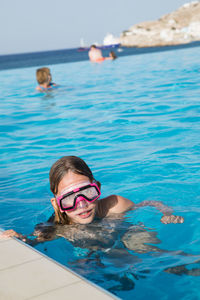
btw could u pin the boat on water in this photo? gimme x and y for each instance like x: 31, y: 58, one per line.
x: 100, y: 47
x: 108, y: 43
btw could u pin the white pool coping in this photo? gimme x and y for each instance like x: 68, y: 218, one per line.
x: 25, y: 274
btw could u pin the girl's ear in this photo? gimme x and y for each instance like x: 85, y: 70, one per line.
x: 54, y: 203
x: 60, y: 216
x: 56, y: 209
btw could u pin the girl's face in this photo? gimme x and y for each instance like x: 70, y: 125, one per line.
x: 84, y: 213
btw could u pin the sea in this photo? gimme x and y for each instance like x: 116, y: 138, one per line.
x: 24, y: 60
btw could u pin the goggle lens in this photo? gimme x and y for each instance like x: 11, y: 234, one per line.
x: 89, y: 192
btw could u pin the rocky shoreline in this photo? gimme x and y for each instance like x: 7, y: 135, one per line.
x: 179, y: 27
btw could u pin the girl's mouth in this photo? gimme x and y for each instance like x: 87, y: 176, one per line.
x: 85, y: 214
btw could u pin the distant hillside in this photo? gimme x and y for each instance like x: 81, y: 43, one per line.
x: 179, y: 27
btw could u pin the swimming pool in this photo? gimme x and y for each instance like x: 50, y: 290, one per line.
x: 136, y: 122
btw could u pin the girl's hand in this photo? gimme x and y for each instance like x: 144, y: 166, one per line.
x: 9, y: 233
x: 172, y: 219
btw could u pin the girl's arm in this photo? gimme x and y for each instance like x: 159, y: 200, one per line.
x: 43, y: 232
x: 118, y: 204
x: 10, y: 233
x: 167, y: 212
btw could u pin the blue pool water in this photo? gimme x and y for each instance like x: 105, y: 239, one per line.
x: 136, y: 122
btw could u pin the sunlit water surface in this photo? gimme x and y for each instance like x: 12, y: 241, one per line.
x: 136, y: 122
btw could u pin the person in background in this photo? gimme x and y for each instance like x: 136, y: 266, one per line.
x: 112, y: 55
x: 50, y: 76
x: 44, y: 78
x: 95, y: 55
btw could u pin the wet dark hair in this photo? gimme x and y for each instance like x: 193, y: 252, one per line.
x: 113, y: 55
x: 63, y: 166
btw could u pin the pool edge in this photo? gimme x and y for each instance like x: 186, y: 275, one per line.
x: 36, y: 276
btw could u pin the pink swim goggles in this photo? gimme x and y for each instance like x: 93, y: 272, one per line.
x: 69, y: 201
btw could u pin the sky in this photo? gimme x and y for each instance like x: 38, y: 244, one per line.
x: 40, y: 25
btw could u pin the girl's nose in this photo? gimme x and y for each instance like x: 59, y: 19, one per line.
x: 82, y: 204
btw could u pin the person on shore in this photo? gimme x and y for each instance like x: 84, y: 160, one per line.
x: 77, y: 199
x: 44, y: 78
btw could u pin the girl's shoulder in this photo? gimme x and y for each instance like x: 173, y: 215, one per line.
x: 113, y: 204
x: 104, y: 205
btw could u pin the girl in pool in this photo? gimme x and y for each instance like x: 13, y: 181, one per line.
x: 77, y: 197
x: 77, y: 193
x: 91, y: 223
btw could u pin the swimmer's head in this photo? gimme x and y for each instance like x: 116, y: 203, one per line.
x: 93, y: 47
x: 112, y: 55
x: 47, y: 70
x: 65, y: 174
x: 64, y: 165
x: 42, y: 76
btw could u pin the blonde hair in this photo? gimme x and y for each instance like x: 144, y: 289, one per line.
x: 47, y: 70
x: 42, y: 75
